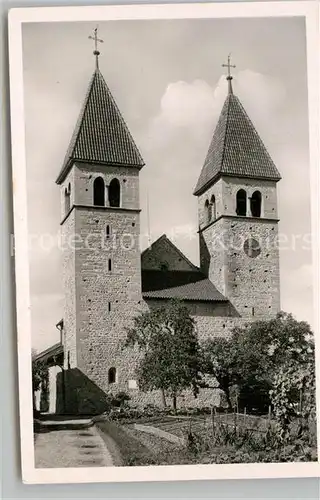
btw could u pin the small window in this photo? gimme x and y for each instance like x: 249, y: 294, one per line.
x: 108, y: 232
x: 109, y: 306
x: 109, y: 265
x: 207, y: 211
x: 112, y: 375
x: 255, y: 204
x: 99, y: 192
x: 66, y: 201
x: 241, y: 202
x: 164, y: 266
x: 114, y: 193
x: 213, y: 207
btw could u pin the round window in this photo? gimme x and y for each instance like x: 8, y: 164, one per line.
x: 252, y: 247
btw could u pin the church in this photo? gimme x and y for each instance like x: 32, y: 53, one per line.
x: 107, y: 281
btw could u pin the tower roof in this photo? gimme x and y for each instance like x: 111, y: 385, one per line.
x: 101, y: 135
x: 236, y: 148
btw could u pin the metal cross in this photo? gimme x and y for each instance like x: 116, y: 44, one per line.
x: 229, y: 66
x: 96, y: 40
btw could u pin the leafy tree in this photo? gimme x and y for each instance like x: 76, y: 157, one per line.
x: 220, y: 360
x: 39, y: 376
x: 120, y: 399
x: 171, y: 358
x: 251, y: 356
x: 292, y: 378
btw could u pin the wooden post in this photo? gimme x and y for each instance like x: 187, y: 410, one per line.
x: 269, y: 416
x: 212, y: 419
x: 300, y: 402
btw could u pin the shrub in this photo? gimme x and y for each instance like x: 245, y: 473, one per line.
x: 120, y: 399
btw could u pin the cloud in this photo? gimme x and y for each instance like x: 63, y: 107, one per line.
x: 262, y: 96
x: 185, y: 109
x: 183, y: 104
x: 193, y: 108
x: 178, y: 136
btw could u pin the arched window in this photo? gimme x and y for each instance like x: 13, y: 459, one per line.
x: 207, y: 211
x: 241, y: 202
x: 255, y: 204
x: 99, y: 192
x: 213, y: 207
x: 112, y: 375
x: 164, y: 266
x: 67, y: 200
x: 114, y: 193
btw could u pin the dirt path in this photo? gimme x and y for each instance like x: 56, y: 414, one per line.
x: 71, y: 448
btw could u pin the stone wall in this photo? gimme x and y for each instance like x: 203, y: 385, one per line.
x: 84, y: 176
x: 102, y: 299
x: 268, y: 190
x: 225, y: 192
x: 252, y: 284
x: 163, y: 252
x: 102, y: 277
x: 69, y: 287
x: 107, y: 298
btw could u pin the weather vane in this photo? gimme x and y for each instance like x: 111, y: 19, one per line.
x: 96, y: 41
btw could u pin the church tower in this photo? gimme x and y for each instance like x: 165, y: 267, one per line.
x: 238, y: 219
x: 99, y: 183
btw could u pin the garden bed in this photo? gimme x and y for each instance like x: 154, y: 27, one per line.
x: 204, y: 444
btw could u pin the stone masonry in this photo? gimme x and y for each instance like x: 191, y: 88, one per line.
x: 107, y: 281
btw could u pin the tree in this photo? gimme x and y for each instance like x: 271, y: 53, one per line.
x: 171, y: 358
x: 251, y: 356
x: 293, y: 381
x: 220, y: 360
x: 39, y: 376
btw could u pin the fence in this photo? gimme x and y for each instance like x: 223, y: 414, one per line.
x: 241, y: 420
x: 180, y: 425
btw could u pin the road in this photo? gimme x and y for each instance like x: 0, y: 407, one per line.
x: 70, y: 447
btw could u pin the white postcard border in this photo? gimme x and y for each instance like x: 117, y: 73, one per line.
x: 30, y: 474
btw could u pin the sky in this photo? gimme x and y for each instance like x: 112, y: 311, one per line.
x: 168, y: 81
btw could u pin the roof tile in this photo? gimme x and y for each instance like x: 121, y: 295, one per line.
x: 184, y: 285
x: 236, y: 148
x: 101, y: 134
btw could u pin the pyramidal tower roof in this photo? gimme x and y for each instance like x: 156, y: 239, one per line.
x: 101, y: 135
x: 236, y: 148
